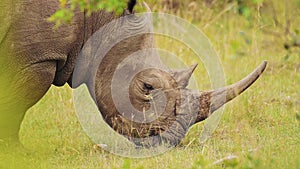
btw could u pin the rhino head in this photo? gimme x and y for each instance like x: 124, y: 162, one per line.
x: 164, y: 109
x: 147, y: 102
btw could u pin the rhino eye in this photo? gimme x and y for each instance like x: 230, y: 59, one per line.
x: 148, y: 86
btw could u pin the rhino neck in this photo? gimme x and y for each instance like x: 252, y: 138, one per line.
x: 96, y: 21
x: 90, y: 25
x: 105, y: 46
x: 102, y: 82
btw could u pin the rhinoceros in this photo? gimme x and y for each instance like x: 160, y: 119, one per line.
x: 34, y: 56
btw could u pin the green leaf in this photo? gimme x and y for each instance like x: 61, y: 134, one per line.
x: 246, y: 12
x: 65, y: 13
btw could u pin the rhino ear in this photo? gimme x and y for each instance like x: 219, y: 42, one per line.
x: 183, y: 76
x: 130, y: 6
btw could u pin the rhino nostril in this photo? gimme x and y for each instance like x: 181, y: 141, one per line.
x: 148, y: 98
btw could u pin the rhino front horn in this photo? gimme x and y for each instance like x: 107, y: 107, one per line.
x: 212, y: 100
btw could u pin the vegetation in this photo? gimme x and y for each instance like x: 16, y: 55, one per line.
x: 67, y: 8
x: 259, y: 129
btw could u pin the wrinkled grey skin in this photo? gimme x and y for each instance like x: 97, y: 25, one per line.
x: 33, y: 56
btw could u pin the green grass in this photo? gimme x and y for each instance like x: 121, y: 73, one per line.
x: 259, y: 127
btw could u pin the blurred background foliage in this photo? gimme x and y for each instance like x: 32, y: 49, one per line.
x: 67, y: 8
x: 205, y: 12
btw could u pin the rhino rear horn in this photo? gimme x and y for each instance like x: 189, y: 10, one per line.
x: 183, y: 76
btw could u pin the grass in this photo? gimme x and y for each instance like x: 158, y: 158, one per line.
x: 259, y: 128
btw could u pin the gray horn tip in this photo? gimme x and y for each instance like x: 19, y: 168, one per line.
x: 262, y: 66
x: 193, y: 67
